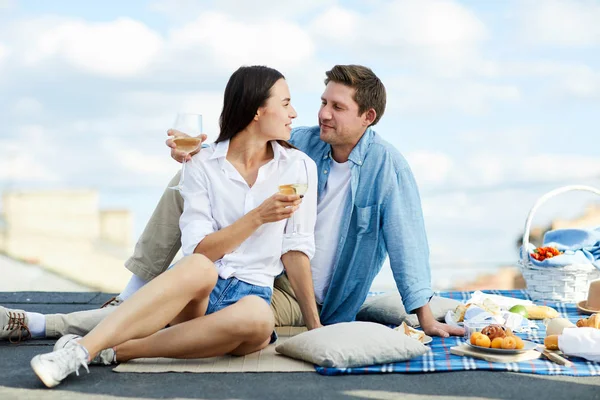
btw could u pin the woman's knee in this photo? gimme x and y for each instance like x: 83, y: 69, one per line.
x: 255, y: 319
x: 198, y: 272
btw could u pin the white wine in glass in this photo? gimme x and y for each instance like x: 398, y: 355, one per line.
x: 190, y: 124
x: 187, y: 144
x: 299, y: 188
x: 294, y: 188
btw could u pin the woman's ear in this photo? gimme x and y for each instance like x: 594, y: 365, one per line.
x: 257, y: 115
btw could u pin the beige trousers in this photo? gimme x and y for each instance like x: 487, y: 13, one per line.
x: 153, y: 254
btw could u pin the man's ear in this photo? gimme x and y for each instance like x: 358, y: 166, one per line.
x: 370, y: 116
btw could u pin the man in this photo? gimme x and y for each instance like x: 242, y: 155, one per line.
x: 368, y: 207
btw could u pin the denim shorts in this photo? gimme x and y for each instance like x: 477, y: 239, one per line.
x: 230, y: 291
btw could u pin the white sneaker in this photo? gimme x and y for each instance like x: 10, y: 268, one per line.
x: 13, y: 325
x: 53, y: 367
x: 105, y: 357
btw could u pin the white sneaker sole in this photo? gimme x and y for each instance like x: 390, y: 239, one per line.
x: 38, y: 368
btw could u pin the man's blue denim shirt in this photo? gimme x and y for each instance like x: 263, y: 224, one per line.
x: 382, y: 217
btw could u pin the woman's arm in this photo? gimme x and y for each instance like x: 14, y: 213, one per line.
x: 297, y: 267
x: 275, y: 208
x: 199, y: 231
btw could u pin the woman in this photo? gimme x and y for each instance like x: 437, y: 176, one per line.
x: 216, y: 299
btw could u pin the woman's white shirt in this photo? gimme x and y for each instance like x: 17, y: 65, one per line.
x: 216, y: 195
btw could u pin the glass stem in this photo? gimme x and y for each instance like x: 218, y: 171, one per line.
x: 181, y: 178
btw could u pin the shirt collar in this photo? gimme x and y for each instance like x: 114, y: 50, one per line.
x: 220, y: 150
x: 279, y: 152
x: 358, y: 153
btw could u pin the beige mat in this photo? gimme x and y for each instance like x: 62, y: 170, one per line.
x: 266, y: 360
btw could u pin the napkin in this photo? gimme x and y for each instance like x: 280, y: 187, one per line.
x: 581, y: 342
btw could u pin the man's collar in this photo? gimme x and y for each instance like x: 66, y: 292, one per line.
x: 358, y: 153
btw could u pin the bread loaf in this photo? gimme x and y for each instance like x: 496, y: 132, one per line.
x: 541, y: 312
x: 551, y: 342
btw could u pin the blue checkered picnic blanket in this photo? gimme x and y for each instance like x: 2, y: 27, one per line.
x: 439, y: 359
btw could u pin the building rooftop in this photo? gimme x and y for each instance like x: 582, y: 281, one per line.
x: 19, y: 382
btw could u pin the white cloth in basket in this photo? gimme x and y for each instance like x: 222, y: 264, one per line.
x: 580, y: 246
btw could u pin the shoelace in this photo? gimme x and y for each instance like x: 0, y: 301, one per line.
x: 70, y: 361
x: 18, y: 327
x: 112, y: 302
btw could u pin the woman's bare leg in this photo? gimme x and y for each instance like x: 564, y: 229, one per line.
x: 185, y: 287
x: 242, y: 328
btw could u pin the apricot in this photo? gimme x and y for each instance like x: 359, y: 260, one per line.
x: 483, y: 341
x: 509, y: 342
x: 474, y: 337
x: 520, y: 343
x: 497, y: 343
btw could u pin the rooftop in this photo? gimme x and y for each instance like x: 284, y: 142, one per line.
x: 18, y: 380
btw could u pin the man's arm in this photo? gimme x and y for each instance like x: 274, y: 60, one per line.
x: 297, y: 266
x: 406, y: 242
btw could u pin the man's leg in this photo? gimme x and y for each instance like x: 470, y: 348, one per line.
x: 284, y: 304
x: 78, y: 323
x: 161, y: 239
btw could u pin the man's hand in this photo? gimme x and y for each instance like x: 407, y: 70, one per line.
x: 436, y: 328
x: 432, y: 327
x: 179, y: 156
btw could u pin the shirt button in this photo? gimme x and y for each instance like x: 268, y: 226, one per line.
x: 324, y: 171
x: 360, y: 163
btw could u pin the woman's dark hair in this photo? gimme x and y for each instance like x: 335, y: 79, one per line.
x: 247, y: 90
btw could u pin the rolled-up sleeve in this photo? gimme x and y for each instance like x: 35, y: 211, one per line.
x: 196, y: 221
x: 306, y: 216
x: 406, y: 241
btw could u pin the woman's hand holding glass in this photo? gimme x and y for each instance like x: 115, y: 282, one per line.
x: 277, y: 207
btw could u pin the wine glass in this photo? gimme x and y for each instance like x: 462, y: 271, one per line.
x: 190, y: 124
x: 299, y: 185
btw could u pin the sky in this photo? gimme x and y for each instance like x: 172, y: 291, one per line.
x: 492, y: 103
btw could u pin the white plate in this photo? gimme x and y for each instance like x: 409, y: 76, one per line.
x: 527, y: 346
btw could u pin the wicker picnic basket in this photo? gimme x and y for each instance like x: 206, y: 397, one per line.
x: 569, y: 283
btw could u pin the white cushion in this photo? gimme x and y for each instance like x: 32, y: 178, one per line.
x: 352, y: 344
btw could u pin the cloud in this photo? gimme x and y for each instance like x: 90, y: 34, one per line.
x: 423, y: 94
x: 431, y: 168
x: 438, y: 35
x: 7, y: 4
x: 560, y: 166
x: 135, y: 161
x: 120, y: 48
x: 27, y: 106
x: 257, y: 9
x: 560, y: 79
x: 229, y: 42
x: 3, y: 53
x: 568, y: 23
x: 22, y: 158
